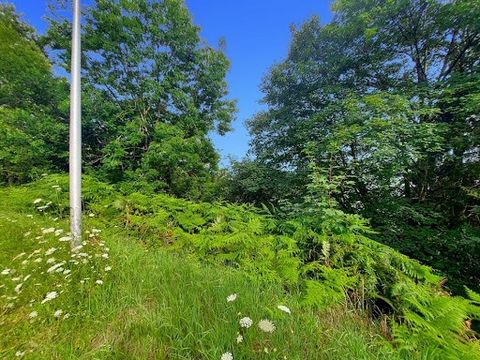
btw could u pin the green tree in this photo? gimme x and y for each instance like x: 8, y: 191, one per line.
x: 386, y: 96
x: 145, y: 66
x: 33, y: 133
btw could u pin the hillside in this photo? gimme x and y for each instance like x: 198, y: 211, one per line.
x: 153, y: 279
x: 349, y: 229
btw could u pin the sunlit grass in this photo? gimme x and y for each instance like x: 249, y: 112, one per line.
x: 139, y: 303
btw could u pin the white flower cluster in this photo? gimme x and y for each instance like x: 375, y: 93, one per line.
x: 231, y: 298
x: 227, y: 356
x: 51, y: 265
x: 50, y: 296
x: 284, y: 309
x: 246, y: 322
x: 266, y: 326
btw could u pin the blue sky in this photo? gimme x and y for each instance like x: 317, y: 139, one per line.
x: 257, y: 36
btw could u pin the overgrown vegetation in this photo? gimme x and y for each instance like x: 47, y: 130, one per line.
x: 369, y: 140
x: 150, y: 304
x: 386, y: 95
x: 321, y: 252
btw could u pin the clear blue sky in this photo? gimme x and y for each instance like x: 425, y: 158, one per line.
x: 257, y: 36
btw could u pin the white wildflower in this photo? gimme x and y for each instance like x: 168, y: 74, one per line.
x: 105, y: 256
x: 50, y: 296
x: 58, y: 313
x: 99, y: 282
x: 27, y: 277
x: 19, y: 353
x: 17, y: 278
x: 284, y: 309
x: 29, y: 215
x: 266, y: 326
x: 239, y: 338
x: 65, y: 238
x: 18, y: 288
x: 36, y: 201
x: 50, y: 251
x: 27, y: 233
x: 33, y: 315
x: 227, y: 356
x: 91, y: 215
x: 265, y: 350
x: 48, y: 231
x: 55, y: 267
x: 50, y: 260
x: 6, y: 271
x: 231, y: 297
x: 24, y: 262
x: 108, y: 268
x: 67, y: 271
x: 246, y: 322
x: 37, y: 260
x: 75, y: 251
x: 58, y: 232
x: 66, y: 316
x: 96, y: 231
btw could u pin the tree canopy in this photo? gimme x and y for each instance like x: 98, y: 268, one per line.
x: 153, y: 91
x: 33, y: 135
x: 386, y: 95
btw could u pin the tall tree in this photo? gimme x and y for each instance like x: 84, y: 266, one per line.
x: 150, y: 81
x: 385, y: 96
x: 415, y: 55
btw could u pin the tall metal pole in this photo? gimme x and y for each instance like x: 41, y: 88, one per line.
x: 75, y: 157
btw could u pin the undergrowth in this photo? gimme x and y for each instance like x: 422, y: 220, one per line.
x: 323, y: 260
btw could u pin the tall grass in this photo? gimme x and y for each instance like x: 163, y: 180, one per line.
x: 152, y: 305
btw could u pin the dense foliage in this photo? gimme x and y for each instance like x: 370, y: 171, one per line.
x: 319, y: 250
x: 152, y: 93
x: 386, y: 95
x: 370, y: 133
x: 120, y: 299
x: 33, y: 135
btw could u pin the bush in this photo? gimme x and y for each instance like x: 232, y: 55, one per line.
x: 30, y: 145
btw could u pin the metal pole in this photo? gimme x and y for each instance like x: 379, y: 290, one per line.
x: 75, y: 157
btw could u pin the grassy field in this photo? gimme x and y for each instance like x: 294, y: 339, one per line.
x: 118, y: 299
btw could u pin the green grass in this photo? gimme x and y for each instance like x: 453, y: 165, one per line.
x: 153, y: 304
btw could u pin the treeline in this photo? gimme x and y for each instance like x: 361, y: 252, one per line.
x: 151, y: 93
x: 381, y: 106
x: 386, y: 100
